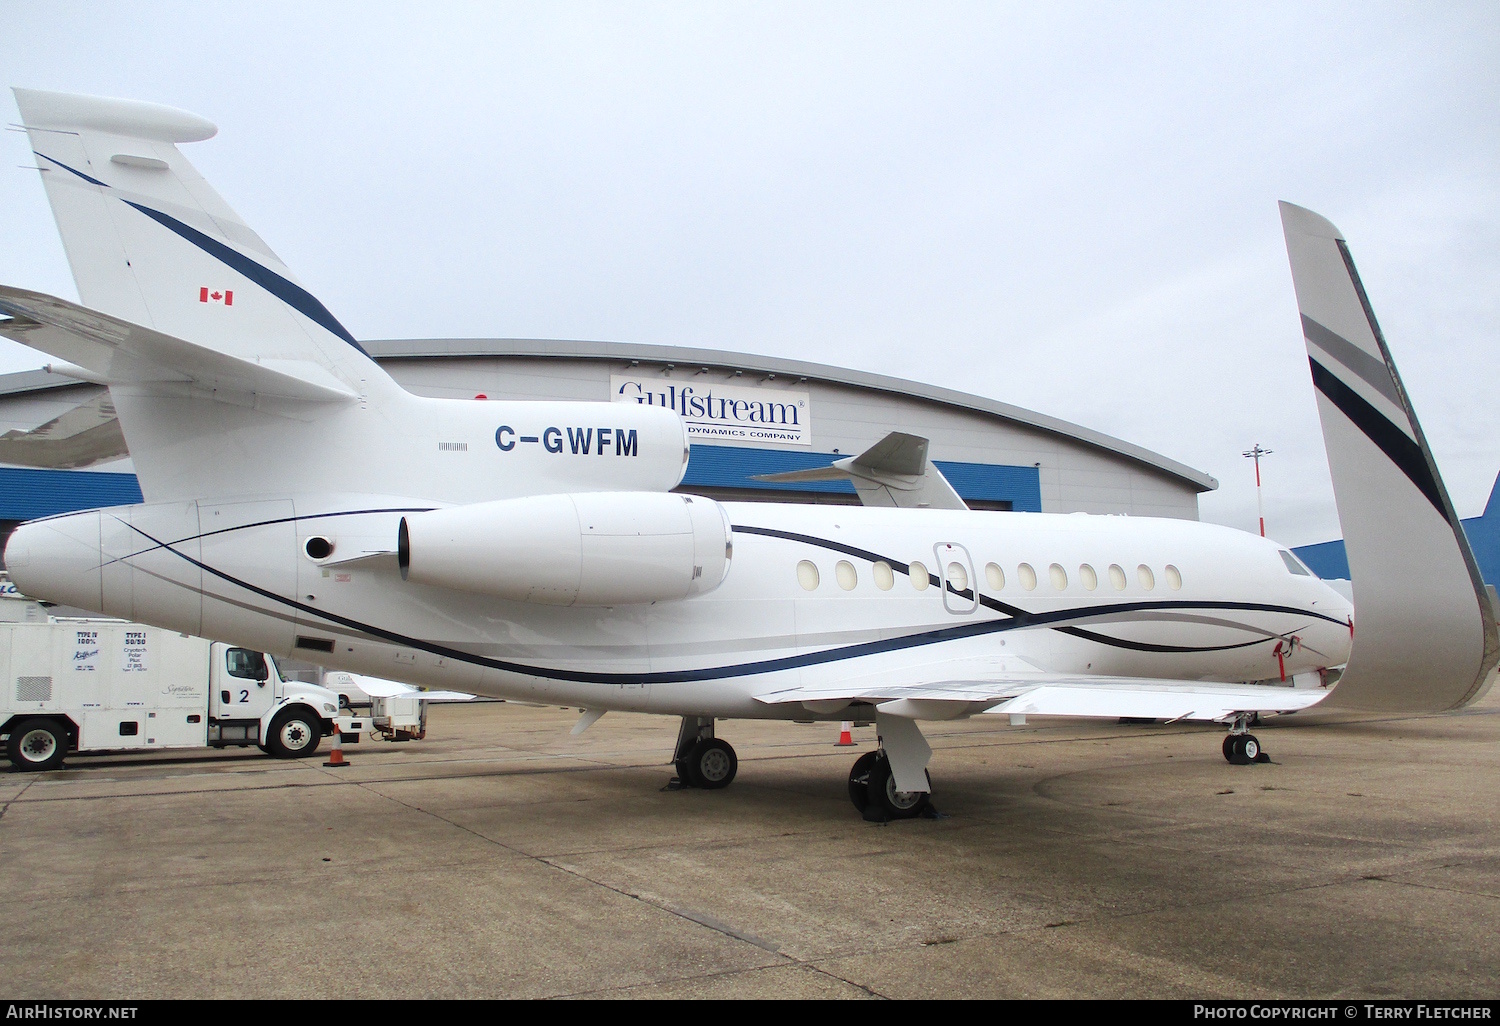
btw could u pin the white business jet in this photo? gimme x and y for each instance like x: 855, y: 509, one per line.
x: 298, y: 501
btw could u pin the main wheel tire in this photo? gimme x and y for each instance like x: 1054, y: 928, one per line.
x: 1240, y: 749
x: 859, y: 780
x: 37, y: 745
x: 684, y: 767
x: 1229, y: 747
x: 713, y: 764
x: 897, y: 804
x: 295, y: 734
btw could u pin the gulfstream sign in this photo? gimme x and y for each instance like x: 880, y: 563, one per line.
x: 716, y: 412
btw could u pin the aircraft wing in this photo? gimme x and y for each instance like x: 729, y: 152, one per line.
x: 87, y: 434
x: 378, y: 687
x: 970, y: 686
x: 120, y: 352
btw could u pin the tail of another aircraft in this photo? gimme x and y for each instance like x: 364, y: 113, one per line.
x: 1426, y: 637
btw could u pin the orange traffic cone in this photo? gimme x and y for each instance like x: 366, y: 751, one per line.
x: 845, y: 738
x: 336, y: 757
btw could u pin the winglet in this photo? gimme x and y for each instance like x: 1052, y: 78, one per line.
x: 1425, y: 628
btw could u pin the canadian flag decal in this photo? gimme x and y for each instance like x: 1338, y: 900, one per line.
x: 226, y: 297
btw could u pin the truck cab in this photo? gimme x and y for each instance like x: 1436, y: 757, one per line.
x: 249, y: 703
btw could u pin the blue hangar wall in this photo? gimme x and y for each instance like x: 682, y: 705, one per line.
x: 1329, y: 560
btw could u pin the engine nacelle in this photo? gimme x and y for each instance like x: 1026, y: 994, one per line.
x: 587, y: 548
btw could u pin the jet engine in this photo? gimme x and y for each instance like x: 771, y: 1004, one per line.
x: 586, y: 549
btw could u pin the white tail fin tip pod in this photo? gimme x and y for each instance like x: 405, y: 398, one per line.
x: 1426, y: 636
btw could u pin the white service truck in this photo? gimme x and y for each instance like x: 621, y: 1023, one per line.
x: 107, y: 685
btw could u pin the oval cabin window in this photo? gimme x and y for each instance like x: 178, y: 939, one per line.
x: 807, y: 575
x: 1088, y: 577
x: 1145, y: 576
x: 1027, y: 576
x: 1174, y: 578
x: 1059, y: 576
x: 958, y: 577
x: 995, y: 576
x: 919, y: 575
x: 883, y: 575
x: 1117, y: 577
x: 844, y: 572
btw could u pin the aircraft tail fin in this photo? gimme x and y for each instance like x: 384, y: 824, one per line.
x: 151, y: 243
x: 1425, y: 635
x: 895, y: 471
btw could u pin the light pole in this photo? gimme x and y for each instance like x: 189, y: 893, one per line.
x: 1255, y: 454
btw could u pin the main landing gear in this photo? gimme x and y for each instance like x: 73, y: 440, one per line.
x: 1241, y: 747
x: 872, y: 789
x: 701, y: 759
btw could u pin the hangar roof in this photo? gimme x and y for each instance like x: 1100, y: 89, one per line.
x: 395, y: 349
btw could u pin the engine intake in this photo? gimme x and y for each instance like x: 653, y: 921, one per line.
x: 586, y: 549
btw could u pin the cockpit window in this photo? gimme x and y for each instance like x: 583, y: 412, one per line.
x: 1294, y: 564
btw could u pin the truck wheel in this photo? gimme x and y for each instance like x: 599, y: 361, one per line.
x: 37, y: 745
x: 294, y: 734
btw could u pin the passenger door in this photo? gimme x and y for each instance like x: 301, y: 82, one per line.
x: 955, y: 568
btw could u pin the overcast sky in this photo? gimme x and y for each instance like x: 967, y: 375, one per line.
x: 1069, y: 207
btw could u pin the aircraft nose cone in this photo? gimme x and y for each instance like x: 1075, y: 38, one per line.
x: 58, y: 560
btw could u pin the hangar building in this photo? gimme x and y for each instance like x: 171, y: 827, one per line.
x: 748, y: 416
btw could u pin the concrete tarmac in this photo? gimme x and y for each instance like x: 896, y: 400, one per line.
x: 501, y: 857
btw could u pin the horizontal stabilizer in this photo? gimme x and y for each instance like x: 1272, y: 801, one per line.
x: 123, y: 353
x: 1425, y: 636
x: 895, y: 471
x: 86, y: 435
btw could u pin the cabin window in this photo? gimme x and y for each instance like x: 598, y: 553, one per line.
x: 995, y: 576
x: 1088, y: 577
x: 1294, y: 564
x: 1059, y: 576
x: 1027, y: 576
x: 1174, y: 578
x: 958, y: 577
x: 807, y: 575
x: 919, y: 575
x: 1117, y: 577
x: 883, y: 575
x: 1145, y: 576
x: 844, y: 573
